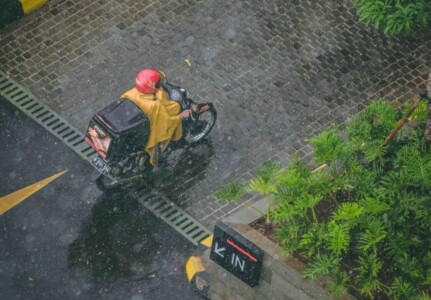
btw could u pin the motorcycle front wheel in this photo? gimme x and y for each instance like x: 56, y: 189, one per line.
x: 202, y: 122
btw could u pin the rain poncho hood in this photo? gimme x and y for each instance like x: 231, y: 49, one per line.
x: 165, y: 124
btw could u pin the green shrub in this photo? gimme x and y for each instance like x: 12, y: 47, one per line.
x: 365, y: 220
x: 394, y: 16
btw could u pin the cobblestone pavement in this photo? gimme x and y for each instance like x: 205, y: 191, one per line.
x: 278, y: 71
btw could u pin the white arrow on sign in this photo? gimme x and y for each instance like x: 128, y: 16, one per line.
x: 219, y: 251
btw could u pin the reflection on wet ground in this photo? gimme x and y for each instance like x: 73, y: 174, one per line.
x: 179, y: 170
x: 122, y: 244
x: 118, y: 240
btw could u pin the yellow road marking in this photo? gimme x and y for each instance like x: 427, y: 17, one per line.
x: 193, y: 266
x: 208, y: 241
x: 11, y: 200
x: 30, y: 5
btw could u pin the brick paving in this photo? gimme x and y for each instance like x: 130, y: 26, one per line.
x: 278, y: 71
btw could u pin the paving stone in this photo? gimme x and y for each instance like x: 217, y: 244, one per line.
x: 274, y: 69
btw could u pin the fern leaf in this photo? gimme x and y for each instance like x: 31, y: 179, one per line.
x: 403, y: 289
x: 348, y: 211
x: 268, y: 171
x: 262, y: 186
x: 312, y: 240
x: 337, y: 286
x: 321, y: 266
x: 367, y: 278
x: 230, y: 192
x: 338, y: 237
x: 374, y: 206
x: 372, y: 236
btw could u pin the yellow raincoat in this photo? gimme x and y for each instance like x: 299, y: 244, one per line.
x: 165, y: 124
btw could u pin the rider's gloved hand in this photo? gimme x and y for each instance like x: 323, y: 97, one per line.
x: 184, y: 114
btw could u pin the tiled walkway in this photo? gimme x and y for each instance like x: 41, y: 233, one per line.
x: 278, y: 71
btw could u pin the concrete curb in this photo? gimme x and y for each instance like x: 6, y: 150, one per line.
x: 12, y: 10
x: 198, y: 265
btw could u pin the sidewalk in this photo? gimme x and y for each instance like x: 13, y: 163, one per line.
x: 278, y: 71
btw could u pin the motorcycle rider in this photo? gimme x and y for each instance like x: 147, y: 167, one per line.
x: 164, y: 114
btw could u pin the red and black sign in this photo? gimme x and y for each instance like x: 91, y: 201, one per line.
x: 236, y: 254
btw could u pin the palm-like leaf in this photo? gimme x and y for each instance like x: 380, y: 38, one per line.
x: 337, y: 286
x: 427, y: 258
x: 394, y: 16
x: 287, y: 212
x: 266, y: 187
x: 423, y: 296
x: 262, y: 186
x: 374, y: 123
x: 292, y: 180
x: 338, y: 237
x: 403, y: 289
x: 230, y: 192
x: 427, y: 278
x: 349, y: 211
x: 287, y: 237
x: 415, y: 166
x: 373, y: 150
x: 268, y: 171
x: 321, y: 266
x: 374, y: 206
x: 409, y: 266
x: 367, y: 278
x: 322, y: 183
x: 398, y: 243
x: 312, y: 240
x: 372, y: 236
x: 329, y: 146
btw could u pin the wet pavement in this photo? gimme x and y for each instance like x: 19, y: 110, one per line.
x: 69, y: 240
x: 278, y: 71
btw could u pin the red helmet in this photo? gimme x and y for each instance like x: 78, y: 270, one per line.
x: 147, y: 81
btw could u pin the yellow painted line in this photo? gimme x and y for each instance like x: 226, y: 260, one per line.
x: 193, y: 266
x: 208, y: 241
x: 9, y: 201
x: 30, y: 5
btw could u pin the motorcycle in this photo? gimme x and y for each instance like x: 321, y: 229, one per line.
x: 119, y: 133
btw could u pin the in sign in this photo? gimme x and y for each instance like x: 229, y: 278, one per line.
x: 236, y: 254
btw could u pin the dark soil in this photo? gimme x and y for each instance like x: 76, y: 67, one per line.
x: 266, y: 229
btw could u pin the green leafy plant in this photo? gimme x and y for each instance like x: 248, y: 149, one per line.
x: 329, y: 147
x: 321, y: 266
x: 371, y: 236
x: 338, y: 286
x: 230, y: 192
x: 338, y: 237
x: 402, y: 289
x: 312, y: 241
x: 362, y: 219
x: 368, y: 268
x: 394, y: 16
x: 262, y: 184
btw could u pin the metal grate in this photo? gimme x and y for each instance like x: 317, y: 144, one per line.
x: 44, y: 116
x: 177, y: 218
x: 169, y: 212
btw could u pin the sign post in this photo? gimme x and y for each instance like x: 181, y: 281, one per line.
x: 236, y: 254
